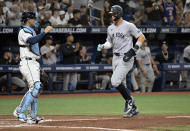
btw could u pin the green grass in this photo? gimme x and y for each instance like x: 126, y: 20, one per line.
x: 173, y: 128
x: 112, y: 105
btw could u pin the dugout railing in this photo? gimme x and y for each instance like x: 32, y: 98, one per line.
x: 91, y: 68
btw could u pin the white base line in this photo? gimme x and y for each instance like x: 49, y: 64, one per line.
x: 178, y: 117
x: 69, y: 127
x: 71, y: 120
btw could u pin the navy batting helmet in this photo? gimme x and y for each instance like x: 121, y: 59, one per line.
x: 117, y: 11
x: 28, y: 15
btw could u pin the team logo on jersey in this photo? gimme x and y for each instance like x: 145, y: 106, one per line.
x: 119, y: 35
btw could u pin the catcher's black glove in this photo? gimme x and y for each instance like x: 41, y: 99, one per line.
x: 130, y: 53
x: 43, y: 77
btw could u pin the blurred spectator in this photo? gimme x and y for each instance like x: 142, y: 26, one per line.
x: 61, y: 20
x: 3, y: 18
x: 65, y: 4
x: 146, y: 65
x: 49, y: 56
x: 8, y: 59
x: 55, y: 18
x: 104, y: 77
x: 69, y: 13
x: 106, y: 18
x: 48, y: 51
x: 41, y: 12
x: 9, y: 3
x: 85, y: 20
x: 164, y: 56
x: 70, y: 56
x: 186, y: 57
x: 179, y: 13
x: 187, y: 6
x: 46, y: 21
x: 169, y: 12
x: 138, y: 17
x: 75, y: 21
x: 83, y: 58
x: 14, y: 16
x: 154, y: 11
x: 83, y: 10
x: 187, y: 13
x: 56, y: 5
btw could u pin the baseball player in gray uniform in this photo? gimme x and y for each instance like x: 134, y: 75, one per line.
x: 145, y: 62
x: 29, y: 67
x: 120, y: 37
x: 186, y: 57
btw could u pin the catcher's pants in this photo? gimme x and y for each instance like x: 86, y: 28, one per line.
x: 120, y: 70
x: 150, y: 76
x: 30, y: 69
x: 69, y: 78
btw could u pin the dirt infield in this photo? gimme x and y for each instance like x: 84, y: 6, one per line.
x: 94, y: 123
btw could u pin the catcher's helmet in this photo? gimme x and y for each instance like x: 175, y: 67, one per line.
x: 117, y: 11
x: 28, y: 15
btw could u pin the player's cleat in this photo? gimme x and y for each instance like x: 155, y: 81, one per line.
x: 22, y: 117
x: 132, y: 113
x: 128, y: 106
x: 36, y: 120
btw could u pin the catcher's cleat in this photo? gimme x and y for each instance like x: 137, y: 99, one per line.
x: 15, y: 113
x: 36, y: 120
x: 22, y: 117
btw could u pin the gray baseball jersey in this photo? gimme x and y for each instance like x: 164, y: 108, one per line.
x: 122, y: 36
x: 144, y: 55
x: 52, y: 58
x: 186, y: 52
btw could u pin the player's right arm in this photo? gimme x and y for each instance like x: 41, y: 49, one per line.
x: 38, y: 38
x: 107, y: 45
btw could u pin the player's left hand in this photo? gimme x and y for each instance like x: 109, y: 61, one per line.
x: 129, y: 55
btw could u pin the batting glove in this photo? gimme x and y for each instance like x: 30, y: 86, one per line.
x: 130, y: 53
x: 100, y: 47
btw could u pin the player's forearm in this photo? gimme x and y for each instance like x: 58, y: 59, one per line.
x: 36, y: 39
x: 107, y: 45
x: 139, y: 42
x: 141, y: 39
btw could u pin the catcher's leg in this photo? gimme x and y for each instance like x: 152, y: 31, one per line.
x: 27, y: 100
x: 32, y: 117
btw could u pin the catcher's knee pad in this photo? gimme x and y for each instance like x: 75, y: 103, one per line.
x: 36, y: 89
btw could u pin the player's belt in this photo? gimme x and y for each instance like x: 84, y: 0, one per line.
x: 118, y: 54
x: 29, y: 58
